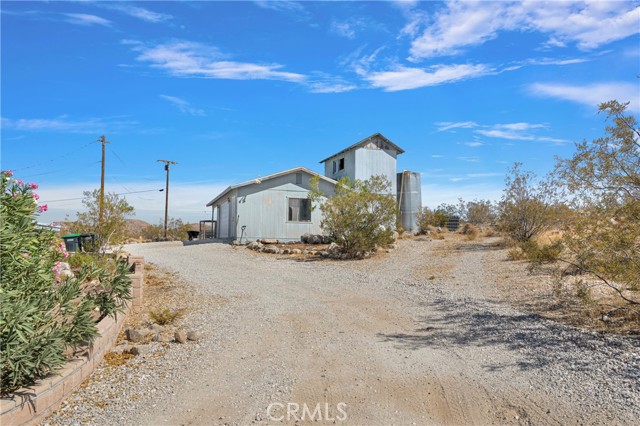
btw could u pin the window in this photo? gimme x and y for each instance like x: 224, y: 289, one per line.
x: 341, y: 164
x: 335, y: 165
x: 298, y: 178
x: 299, y: 210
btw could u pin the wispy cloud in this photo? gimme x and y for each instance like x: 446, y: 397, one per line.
x: 519, y: 132
x: 462, y: 24
x: 590, y: 95
x: 136, y: 11
x: 404, y: 78
x: 471, y: 159
x: 443, y: 126
x: 473, y: 144
x: 289, y: 7
x: 351, y: 27
x: 189, y: 59
x: 66, y: 124
x: 86, y: 19
x: 184, y: 106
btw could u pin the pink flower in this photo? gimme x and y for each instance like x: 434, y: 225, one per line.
x: 33, y: 185
x: 36, y: 197
x: 8, y: 173
x: 26, y: 255
x: 20, y: 182
x: 43, y: 208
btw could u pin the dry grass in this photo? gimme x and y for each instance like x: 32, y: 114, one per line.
x: 116, y: 359
x: 166, y: 316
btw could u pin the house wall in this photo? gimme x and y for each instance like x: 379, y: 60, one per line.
x: 262, y: 208
x: 349, y: 166
x: 371, y: 160
x: 226, y: 214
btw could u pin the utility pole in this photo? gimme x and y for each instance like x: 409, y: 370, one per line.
x: 167, y: 163
x: 103, y: 141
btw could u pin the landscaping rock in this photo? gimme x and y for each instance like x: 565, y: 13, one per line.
x: 193, y: 336
x: 323, y: 253
x: 180, y: 336
x: 255, y: 245
x: 333, y: 248
x: 272, y: 250
x: 137, y: 335
x: 268, y: 241
x: 296, y: 251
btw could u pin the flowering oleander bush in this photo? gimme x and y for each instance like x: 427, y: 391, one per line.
x: 44, y: 312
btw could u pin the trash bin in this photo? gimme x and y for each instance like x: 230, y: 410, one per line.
x: 193, y: 235
x: 78, y: 242
x: 71, y: 242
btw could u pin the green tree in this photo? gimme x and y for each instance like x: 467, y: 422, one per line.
x: 360, y: 214
x: 526, y: 205
x: 113, y: 227
x: 479, y: 212
x: 602, y: 181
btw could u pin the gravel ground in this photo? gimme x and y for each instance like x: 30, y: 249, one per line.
x: 417, y: 336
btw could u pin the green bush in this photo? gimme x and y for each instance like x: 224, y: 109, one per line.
x: 43, y: 313
x: 360, y: 214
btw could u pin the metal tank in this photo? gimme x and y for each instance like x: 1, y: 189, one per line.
x: 409, y: 199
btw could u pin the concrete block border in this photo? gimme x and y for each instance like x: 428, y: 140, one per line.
x: 31, y: 405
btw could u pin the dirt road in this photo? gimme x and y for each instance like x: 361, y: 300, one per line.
x: 418, y: 336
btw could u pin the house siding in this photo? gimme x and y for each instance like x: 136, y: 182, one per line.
x: 262, y: 208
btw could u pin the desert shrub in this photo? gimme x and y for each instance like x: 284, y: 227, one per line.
x: 42, y: 313
x: 602, y: 180
x: 360, y: 215
x: 439, y: 217
x: 526, y: 205
x: 176, y: 231
x: 516, y: 253
x: 470, y: 230
x: 111, y: 228
x: 165, y: 316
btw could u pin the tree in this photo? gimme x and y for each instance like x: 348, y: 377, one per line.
x: 479, y: 212
x: 602, y: 181
x: 113, y: 229
x: 526, y: 205
x: 360, y: 214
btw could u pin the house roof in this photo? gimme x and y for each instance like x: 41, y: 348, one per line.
x: 364, y: 141
x: 263, y: 178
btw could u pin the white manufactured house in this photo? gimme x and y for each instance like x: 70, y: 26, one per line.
x: 277, y: 206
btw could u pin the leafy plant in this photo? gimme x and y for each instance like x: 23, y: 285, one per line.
x: 165, y: 316
x: 42, y: 312
x: 360, y: 214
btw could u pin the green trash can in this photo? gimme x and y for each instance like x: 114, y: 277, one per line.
x: 78, y: 242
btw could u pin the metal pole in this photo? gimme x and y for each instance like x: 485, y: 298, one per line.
x: 167, y: 163
x: 103, y: 141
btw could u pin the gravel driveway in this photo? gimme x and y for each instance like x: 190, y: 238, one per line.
x: 414, y: 337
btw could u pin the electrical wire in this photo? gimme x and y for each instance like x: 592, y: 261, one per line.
x: 123, y: 193
x: 55, y: 158
x: 62, y: 170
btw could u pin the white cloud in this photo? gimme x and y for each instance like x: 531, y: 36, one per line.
x: 86, y: 19
x: 518, y: 131
x: 471, y: 159
x: 461, y: 24
x: 591, y: 95
x: 443, y: 126
x: 403, y: 78
x: 343, y: 29
x: 65, y: 124
x: 352, y: 26
x: 184, y: 106
x: 473, y: 144
x: 136, y: 11
x: 189, y: 59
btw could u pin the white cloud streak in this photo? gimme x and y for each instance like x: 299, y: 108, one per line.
x: 136, y: 12
x: 462, y: 24
x: 86, y: 19
x: 443, y: 126
x: 64, y: 124
x: 591, y: 95
x: 184, y: 106
x: 404, y: 78
x: 190, y: 59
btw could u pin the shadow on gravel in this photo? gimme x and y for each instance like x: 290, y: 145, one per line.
x: 539, y: 343
x: 480, y: 246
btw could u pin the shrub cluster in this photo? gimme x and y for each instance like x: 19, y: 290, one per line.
x: 42, y: 312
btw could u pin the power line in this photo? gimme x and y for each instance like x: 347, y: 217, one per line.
x: 54, y: 159
x: 123, y: 193
x: 60, y: 170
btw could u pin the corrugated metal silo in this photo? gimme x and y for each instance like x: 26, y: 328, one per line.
x: 409, y: 199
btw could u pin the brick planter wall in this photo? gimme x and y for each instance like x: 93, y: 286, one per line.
x: 29, y: 406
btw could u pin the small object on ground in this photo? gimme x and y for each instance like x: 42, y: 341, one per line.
x: 180, y: 336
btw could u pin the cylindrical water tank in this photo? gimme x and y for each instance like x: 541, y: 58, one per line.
x: 409, y: 199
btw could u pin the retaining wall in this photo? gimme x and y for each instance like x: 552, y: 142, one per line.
x: 30, y: 406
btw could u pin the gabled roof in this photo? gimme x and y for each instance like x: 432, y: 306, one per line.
x: 365, y: 141
x: 263, y: 178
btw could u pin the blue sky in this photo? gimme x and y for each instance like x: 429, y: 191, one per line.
x: 235, y: 90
